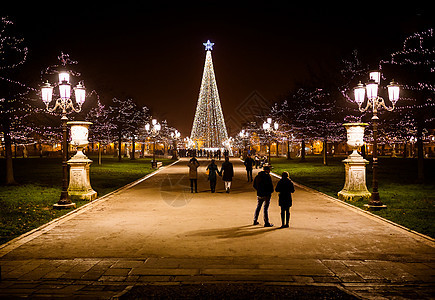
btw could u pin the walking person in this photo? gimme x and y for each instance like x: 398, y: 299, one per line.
x: 213, y: 172
x: 285, y: 188
x: 193, y: 173
x: 227, y: 172
x: 264, y: 186
x: 249, y: 163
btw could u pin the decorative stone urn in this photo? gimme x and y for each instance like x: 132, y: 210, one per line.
x: 355, y: 166
x: 79, y: 183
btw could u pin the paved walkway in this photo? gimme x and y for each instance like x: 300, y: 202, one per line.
x: 157, y: 232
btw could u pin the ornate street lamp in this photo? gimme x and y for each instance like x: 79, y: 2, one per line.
x: 154, y: 132
x: 244, y: 136
x: 66, y: 105
x: 267, y: 127
x: 375, y: 102
x: 175, y: 135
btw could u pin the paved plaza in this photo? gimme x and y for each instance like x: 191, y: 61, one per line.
x: 155, y: 232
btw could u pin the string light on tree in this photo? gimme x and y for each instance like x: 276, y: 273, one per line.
x: 209, y: 130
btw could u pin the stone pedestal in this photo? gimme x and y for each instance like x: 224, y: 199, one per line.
x: 79, y: 184
x: 355, y: 165
x: 355, y: 181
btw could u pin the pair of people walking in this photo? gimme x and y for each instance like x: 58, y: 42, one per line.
x: 264, y: 186
x: 227, y: 173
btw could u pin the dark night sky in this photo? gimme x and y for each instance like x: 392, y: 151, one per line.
x: 154, y: 53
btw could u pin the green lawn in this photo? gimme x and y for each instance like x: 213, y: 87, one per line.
x: 29, y: 204
x: 409, y: 203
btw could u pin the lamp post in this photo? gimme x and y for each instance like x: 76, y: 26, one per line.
x: 175, y: 135
x: 244, y: 135
x: 375, y: 103
x: 153, y: 129
x: 66, y: 105
x: 267, y: 127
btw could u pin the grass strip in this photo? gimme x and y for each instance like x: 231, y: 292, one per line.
x: 409, y: 203
x: 29, y: 205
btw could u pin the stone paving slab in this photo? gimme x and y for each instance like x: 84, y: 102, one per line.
x: 155, y: 232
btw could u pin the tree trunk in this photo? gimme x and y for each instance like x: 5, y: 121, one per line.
x: 420, y: 153
x: 99, y: 153
x: 288, y: 150
x: 325, y: 152
x: 303, y: 150
x: 133, y: 148
x: 10, y: 180
x: 119, y: 145
x: 404, y: 149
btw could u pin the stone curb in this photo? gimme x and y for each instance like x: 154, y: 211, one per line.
x: 28, y: 236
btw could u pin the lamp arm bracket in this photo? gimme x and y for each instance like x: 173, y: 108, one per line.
x: 381, y: 103
x: 364, y: 109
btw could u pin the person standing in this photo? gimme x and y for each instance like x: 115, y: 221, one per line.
x: 249, y: 163
x: 227, y: 172
x: 213, y: 172
x: 285, y: 188
x: 264, y: 186
x: 193, y: 173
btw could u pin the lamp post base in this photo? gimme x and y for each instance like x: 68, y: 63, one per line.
x: 64, y: 205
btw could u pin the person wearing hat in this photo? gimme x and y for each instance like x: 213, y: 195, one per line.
x: 264, y: 186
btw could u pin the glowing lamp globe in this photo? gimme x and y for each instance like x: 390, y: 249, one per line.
x: 65, y: 90
x: 80, y: 94
x: 79, y: 133
x: 360, y: 93
x: 266, y: 125
x: 372, y: 90
x: 47, y: 93
x: 375, y: 76
x: 393, y: 92
x: 63, y: 76
x: 275, y: 125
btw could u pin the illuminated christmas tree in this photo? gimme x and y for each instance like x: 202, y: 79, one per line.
x: 209, y: 130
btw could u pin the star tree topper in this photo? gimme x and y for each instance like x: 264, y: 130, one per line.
x: 208, y: 45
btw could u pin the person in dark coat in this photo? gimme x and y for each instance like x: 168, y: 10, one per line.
x: 285, y: 188
x: 213, y: 172
x: 227, y: 172
x: 193, y: 173
x: 264, y: 186
x: 249, y: 163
